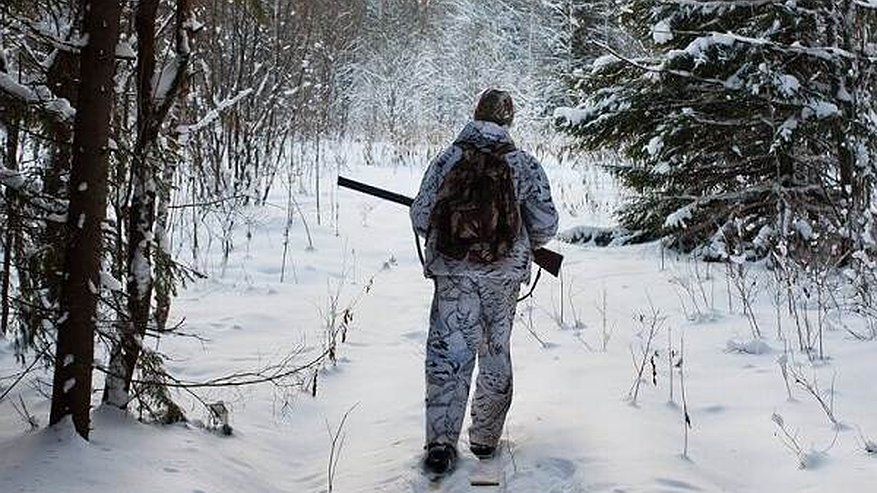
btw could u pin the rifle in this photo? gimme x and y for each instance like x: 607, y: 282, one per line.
x: 543, y: 257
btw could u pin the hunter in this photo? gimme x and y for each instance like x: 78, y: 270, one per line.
x: 483, y: 207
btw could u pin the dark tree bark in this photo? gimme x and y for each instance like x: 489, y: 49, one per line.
x: 63, y: 79
x: 74, y: 355
x: 11, y: 122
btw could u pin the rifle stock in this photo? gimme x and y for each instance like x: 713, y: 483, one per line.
x: 549, y: 260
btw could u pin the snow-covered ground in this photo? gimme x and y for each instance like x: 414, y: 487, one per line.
x: 572, y: 427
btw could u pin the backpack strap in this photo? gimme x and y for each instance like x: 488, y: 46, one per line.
x: 532, y: 286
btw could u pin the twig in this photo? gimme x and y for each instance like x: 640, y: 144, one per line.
x: 337, y: 444
x: 20, y: 377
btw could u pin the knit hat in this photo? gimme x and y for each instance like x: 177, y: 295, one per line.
x: 495, y: 105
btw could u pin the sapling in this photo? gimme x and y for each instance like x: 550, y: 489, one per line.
x: 670, y: 354
x: 289, y: 215
x: 577, y: 322
x: 783, y: 361
x: 26, y: 416
x: 566, y: 296
x: 701, y: 305
x: 869, y: 445
x: 746, y: 287
x: 650, y: 324
x: 337, y: 437
x: 777, y: 301
x: 686, y: 418
x: 606, y: 332
x: 790, y: 440
x: 806, y: 458
x: 527, y: 316
x: 812, y: 388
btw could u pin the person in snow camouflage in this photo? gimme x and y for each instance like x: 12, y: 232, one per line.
x: 473, y: 307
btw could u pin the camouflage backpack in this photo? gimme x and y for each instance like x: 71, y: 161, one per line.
x: 476, y: 213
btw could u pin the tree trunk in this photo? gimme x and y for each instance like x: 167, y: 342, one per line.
x: 11, y: 122
x: 151, y: 111
x: 74, y: 355
x: 63, y: 79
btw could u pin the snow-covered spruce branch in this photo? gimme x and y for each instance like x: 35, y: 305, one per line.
x: 820, y: 52
x: 721, y: 84
x: 658, y: 69
x: 868, y: 4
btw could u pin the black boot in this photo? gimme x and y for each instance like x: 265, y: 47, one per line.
x: 440, y: 458
x: 482, y: 451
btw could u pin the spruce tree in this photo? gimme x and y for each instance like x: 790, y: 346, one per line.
x: 749, y: 121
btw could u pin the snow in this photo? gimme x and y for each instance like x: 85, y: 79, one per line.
x: 213, y: 114
x: 125, y: 50
x: 109, y: 282
x: 698, y: 47
x: 573, y: 116
x: 677, y: 218
x: 661, y: 32
x: 19, y: 91
x: 570, y: 429
x: 822, y: 109
x: 804, y: 229
x: 39, y: 95
x: 788, y: 127
x: 655, y: 145
x: 163, y: 80
x: 603, y: 61
x: 576, y: 116
x: 752, y: 346
x: 789, y: 84
x: 11, y: 178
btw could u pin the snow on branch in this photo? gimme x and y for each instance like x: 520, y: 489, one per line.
x: 39, y: 96
x: 41, y: 32
x: 165, y: 81
x: 212, y: 115
x: 18, y: 181
x: 11, y: 178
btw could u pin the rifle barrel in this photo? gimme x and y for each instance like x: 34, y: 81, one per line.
x: 377, y: 192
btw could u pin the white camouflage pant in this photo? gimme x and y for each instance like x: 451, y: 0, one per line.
x: 469, y: 317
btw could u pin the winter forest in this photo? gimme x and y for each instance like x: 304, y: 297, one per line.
x: 189, y: 301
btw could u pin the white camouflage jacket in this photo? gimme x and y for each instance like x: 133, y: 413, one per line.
x: 533, y: 193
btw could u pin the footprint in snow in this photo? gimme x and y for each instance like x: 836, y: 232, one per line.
x: 676, y: 485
